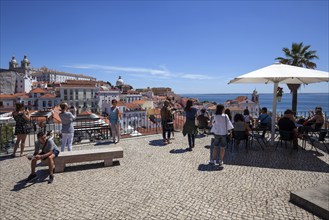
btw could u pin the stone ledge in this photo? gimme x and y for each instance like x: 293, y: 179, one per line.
x: 314, y: 200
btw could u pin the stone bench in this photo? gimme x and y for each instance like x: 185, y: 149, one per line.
x: 106, y: 154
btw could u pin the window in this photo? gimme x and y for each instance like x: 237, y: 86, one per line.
x: 65, y: 91
x: 1, y: 104
x: 50, y: 103
x: 44, y: 104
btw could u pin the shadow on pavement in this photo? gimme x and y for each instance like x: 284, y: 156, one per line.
x: 6, y: 157
x: 157, y: 143
x: 178, y: 151
x: 41, y: 177
x: 208, y: 167
x: 306, y: 160
x: 103, y: 143
x: 75, y: 167
x: 207, y: 146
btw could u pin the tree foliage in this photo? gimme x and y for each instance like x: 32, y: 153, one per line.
x: 301, y: 56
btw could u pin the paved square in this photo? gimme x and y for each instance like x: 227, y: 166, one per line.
x: 165, y: 182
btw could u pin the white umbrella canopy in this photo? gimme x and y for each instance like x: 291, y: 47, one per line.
x: 282, y: 73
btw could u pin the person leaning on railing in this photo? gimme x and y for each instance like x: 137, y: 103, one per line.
x: 67, y: 126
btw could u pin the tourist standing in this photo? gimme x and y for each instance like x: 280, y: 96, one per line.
x: 166, y: 122
x: 221, y: 126
x: 189, y: 127
x: 228, y: 113
x: 21, y: 117
x: 114, y: 117
x: 67, y: 126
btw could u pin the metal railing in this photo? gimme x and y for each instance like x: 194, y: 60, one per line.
x: 98, y: 129
x: 89, y: 129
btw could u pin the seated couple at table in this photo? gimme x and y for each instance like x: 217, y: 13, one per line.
x: 313, y: 123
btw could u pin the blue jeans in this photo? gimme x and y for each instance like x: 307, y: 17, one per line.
x: 218, y: 141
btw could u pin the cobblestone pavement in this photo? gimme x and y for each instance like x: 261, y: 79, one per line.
x: 165, y: 182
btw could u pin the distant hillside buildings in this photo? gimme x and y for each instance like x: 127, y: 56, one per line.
x: 43, y: 88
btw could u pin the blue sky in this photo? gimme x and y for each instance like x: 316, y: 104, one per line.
x: 190, y: 46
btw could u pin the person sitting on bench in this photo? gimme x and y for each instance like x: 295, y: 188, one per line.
x: 49, y: 151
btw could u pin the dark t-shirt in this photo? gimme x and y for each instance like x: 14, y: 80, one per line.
x: 286, y: 124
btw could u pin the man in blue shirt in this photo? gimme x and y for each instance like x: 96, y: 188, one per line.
x: 264, y: 120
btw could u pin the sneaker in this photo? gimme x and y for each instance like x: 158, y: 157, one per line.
x: 51, y: 179
x: 211, y: 162
x: 220, y: 163
x: 188, y: 149
x: 31, y: 177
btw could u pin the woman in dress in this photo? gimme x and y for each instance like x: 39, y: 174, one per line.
x: 67, y: 126
x: 189, y: 127
x: 114, y: 117
x: 21, y: 117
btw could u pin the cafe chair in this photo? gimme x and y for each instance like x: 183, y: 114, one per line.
x: 255, y: 135
x: 239, y: 136
x: 286, y: 137
x: 320, y: 137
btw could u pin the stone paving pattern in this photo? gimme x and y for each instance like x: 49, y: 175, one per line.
x: 154, y: 181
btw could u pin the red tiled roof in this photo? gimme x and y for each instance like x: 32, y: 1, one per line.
x: 139, y: 102
x: 241, y: 98
x: 48, y: 95
x: 7, y: 96
x: 132, y: 106
x: 37, y: 90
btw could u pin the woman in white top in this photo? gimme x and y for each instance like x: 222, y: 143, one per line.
x: 220, y: 128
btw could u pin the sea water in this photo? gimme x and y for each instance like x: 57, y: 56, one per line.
x: 305, y: 101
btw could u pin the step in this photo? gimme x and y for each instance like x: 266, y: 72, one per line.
x: 314, y: 200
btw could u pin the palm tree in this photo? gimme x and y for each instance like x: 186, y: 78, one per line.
x: 300, y: 56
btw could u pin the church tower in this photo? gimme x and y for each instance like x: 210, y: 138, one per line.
x: 255, y: 96
x: 25, y: 63
x: 13, y: 64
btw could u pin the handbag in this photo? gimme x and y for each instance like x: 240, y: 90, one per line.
x: 27, y: 129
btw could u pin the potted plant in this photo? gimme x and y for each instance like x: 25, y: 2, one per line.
x: 279, y: 93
